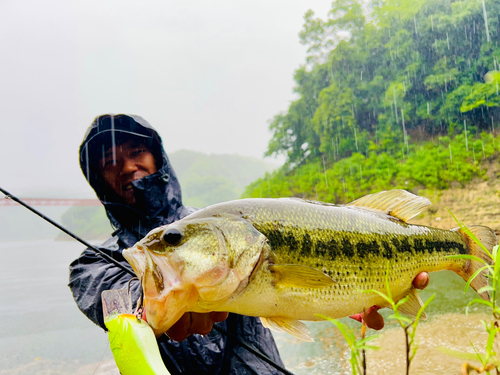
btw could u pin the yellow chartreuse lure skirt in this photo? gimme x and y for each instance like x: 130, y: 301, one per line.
x: 131, y: 339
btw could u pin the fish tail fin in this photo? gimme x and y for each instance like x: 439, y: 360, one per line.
x: 488, y: 240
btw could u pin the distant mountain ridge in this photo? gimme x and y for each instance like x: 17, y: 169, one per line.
x: 208, y: 179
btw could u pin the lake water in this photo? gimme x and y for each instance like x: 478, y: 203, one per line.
x: 41, y: 329
x: 43, y: 332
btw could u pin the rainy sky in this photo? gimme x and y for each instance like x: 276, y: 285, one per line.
x: 208, y: 75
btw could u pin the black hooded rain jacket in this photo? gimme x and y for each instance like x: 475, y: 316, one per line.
x: 159, y: 201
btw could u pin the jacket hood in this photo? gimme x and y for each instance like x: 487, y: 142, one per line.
x: 158, y: 195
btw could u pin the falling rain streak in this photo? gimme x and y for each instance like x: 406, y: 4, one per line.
x: 324, y: 169
x: 466, y: 138
x: 405, y: 135
x: 356, y: 139
x: 486, y: 22
x: 113, y: 141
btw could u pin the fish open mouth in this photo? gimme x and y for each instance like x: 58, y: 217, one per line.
x: 135, y: 257
x: 165, y: 310
x: 166, y: 296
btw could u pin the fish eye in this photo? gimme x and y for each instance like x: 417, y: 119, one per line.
x: 172, y: 237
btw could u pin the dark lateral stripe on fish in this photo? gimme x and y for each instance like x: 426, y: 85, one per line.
x: 336, y: 245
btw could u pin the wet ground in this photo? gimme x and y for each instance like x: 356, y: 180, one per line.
x: 43, y: 332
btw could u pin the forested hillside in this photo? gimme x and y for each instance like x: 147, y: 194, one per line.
x: 395, y: 93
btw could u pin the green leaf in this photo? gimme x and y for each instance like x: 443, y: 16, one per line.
x: 471, y: 279
x: 466, y: 256
x: 370, y: 347
x: 399, y: 318
x: 422, y: 308
x: 491, y: 339
x: 402, y: 301
x: 380, y: 294
x: 486, y: 289
x: 495, y: 252
x: 478, y: 301
x: 471, y: 235
x: 460, y: 355
x: 483, y: 358
x: 496, y: 264
x: 367, y: 338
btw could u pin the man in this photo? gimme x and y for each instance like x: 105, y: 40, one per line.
x: 123, y: 160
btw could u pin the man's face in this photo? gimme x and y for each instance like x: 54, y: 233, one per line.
x: 125, y: 163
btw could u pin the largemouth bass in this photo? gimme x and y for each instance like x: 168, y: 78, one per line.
x: 289, y: 259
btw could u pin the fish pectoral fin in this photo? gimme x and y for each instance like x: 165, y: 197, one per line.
x: 291, y: 326
x: 298, y: 276
x: 400, y: 204
x: 413, y: 305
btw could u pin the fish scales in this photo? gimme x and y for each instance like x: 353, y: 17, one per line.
x: 290, y: 259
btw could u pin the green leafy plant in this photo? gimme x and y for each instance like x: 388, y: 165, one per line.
x: 356, y: 346
x: 490, y: 359
x: 409, y: 326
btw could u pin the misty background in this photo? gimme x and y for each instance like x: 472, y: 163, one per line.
x: 207, y: 75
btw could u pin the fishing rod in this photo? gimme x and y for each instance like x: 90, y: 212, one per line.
x: 244, y: 345
x: 60, y: 227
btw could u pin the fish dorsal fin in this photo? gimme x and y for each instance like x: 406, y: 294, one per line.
x: 299, y: 276
x: 413, y: 305
x: 291, y: 326
x: 400, y: 204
